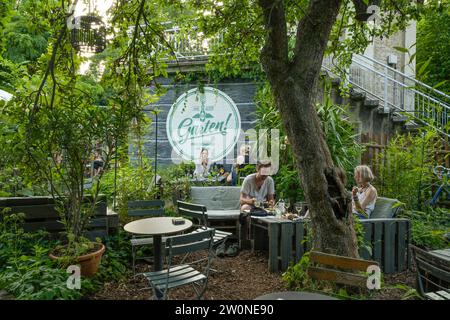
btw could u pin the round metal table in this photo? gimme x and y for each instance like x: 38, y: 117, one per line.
x: 295, y: 295
x: 157, y: 227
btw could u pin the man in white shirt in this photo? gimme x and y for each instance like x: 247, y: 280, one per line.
x: 258, y: 187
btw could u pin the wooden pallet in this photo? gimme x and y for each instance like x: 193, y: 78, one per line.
x: 286, y: 242
x: 41, y: 214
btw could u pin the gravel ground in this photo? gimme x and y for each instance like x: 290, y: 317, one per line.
x: 244, y: 277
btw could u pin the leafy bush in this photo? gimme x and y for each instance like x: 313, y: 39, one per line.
x: 132, y: 183
x: 428, y: 228
x: 405, y: 168
x: 296, y: 276
x: 27, y: 272
x: 115, y: 263
x: 25, y: 269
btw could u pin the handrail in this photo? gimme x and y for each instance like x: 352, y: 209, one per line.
x: 396, y: 91
x: 406, y: 86
x: 402, y: 74
x: 392, y: 89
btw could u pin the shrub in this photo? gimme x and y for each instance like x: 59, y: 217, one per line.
x: 406, y: 168
x: 428, y: 227
x: 27, y: 273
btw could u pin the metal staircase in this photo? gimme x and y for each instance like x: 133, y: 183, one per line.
x: 397, y: 92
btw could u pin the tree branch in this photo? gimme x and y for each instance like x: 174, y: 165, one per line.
x: 274, y: 54
x: 313, y: 32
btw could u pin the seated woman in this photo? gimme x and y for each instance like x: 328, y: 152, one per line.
x: 364, y: 195
x: 203, y: 165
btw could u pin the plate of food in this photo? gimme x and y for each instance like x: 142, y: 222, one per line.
x: 291, y: 216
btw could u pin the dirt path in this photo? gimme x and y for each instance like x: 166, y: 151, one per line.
x: 241, y: 277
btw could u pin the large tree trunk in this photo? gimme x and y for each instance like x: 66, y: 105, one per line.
x: 294, y: 85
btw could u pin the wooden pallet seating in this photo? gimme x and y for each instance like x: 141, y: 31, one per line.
x: 41, y: 214
x: 387, y: 241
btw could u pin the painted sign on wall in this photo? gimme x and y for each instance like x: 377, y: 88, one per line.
x: 203, y: 119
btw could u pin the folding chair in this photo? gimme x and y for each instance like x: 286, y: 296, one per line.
x: 197, y: 213
x: 433, y: 274
x: 142, y: 209
x: 184, y: 274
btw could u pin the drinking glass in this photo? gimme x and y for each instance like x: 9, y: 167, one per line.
x: 299, y: 209
x: 287, y: 205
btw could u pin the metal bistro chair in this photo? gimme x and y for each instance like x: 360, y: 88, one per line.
x: 433, y: 275
x: 198, y: 213
x: 183, y: 274
x: 143, y: 208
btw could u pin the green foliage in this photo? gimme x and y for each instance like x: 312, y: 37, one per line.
x: 132, y: 183
x: 339, y: 133
x: 176, y: 181
x: 296, y: 276
x: 27, y: 273
x: 27, y: 34
x: 340, y: 136
x: 116, y: 259
x: 359, y: 230
x: 405, y: 168
x: 25, y: 269
x: 433, y: 47
x: 429, y: 227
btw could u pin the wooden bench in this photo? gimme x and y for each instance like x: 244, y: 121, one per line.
x: 41, y: 214
x: 433, y: 273
x: 329, y: 267
x: 222, y: 203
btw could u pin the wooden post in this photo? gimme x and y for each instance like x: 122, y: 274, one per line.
x: 286, y: 244
x: 274, y: 234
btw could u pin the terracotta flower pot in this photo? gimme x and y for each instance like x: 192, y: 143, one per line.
x: 89, y: 262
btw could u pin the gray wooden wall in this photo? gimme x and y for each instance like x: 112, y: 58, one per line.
x: 241, y: 91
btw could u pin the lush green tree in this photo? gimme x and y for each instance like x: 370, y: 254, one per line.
x: 287, y: 38
x: 433, y: 47
x: 27, y: 33
x: 290, y: 39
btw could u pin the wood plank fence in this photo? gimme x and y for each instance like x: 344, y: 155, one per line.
x: 41, y: 214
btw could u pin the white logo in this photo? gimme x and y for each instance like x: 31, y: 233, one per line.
x: 205, y: 119
x: 374, y: 12
x: 74, y: 280
x: 374, y: 279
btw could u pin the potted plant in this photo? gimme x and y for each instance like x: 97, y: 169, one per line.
x: 63, y: 141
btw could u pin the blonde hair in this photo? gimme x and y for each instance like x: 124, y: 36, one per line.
x: 365, y: 173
